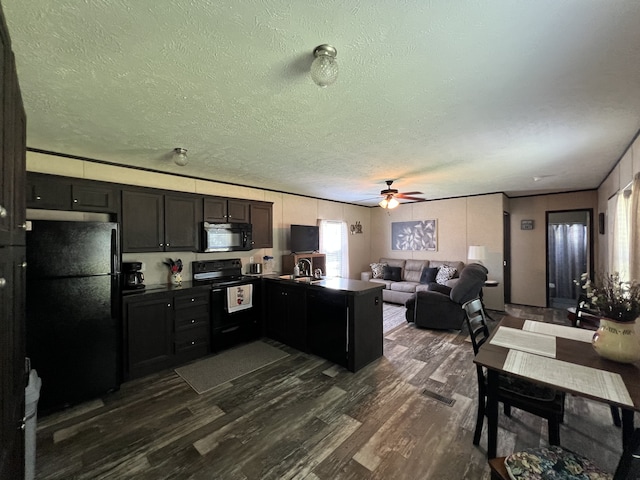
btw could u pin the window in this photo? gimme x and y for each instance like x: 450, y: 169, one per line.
x: 619, y: 233
x: 333, y: 243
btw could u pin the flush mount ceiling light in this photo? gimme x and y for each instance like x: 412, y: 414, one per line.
x: 324, y: 69
x: 180, y: 156
x: 389, y: 202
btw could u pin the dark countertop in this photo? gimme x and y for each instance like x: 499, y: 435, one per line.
x: 351, y: 287
x: 346, y: 285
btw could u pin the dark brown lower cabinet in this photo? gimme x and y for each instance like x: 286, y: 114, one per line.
x: 287, y: 314
x: 165, y: 329
x: 149, y: 334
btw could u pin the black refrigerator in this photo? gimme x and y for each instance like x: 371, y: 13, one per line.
x: 72, y: 310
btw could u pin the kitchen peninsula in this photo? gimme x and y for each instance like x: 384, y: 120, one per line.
x: 337, y: 319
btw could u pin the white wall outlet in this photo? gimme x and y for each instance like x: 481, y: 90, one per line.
x: 250, y: 259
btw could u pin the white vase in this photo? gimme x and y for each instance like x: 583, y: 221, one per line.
x: 617, y: 341
x: 176, y: 278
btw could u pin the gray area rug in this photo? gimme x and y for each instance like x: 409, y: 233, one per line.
x: 210, y: 372
x: 392, y: 316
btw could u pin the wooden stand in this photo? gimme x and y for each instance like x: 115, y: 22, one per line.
x: 318, y: 260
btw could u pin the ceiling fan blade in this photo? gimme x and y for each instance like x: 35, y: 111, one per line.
x: 410, y: 193
x: 415, y: 199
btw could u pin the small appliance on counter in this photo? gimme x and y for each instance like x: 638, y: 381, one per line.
x: 255, y: 268
x: 133, y: 277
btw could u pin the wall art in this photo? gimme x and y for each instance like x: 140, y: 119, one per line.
x: 416, y: 235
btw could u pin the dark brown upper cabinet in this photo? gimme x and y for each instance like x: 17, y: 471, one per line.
x: 226, y: 210
x: 53, y: 192
x: 262, y: 224
x: 157, y: 222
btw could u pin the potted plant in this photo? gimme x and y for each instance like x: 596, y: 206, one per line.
x: 618, y: 303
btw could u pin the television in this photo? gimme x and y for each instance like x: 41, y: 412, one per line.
x: 305, y: 238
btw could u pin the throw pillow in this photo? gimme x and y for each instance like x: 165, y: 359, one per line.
x: 377, y: 269
x: 428, y: 275
x: 392, y: 273
x: 445, y: 273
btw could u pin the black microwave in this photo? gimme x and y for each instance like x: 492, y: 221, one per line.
x: 226, y: 237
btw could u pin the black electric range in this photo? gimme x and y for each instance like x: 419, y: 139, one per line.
x: 219, y: 273
x: 228, y: 328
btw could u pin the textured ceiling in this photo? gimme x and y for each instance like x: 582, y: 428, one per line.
x: 447, y: 98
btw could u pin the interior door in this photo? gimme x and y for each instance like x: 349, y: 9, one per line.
x: 506, y: 262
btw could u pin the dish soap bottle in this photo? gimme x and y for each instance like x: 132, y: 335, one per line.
x: 296, y: 271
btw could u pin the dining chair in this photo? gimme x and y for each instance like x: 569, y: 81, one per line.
x: 534, y: 462
x: 582, y: 316
x: 544, y: 402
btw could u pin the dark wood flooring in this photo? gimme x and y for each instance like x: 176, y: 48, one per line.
x: 409, y: 415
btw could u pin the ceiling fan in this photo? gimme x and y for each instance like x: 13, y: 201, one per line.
x: 391, y: 196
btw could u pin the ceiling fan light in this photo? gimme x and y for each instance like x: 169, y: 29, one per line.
x: 393, y: 203
x: 180, y: 156
x: 384, y: 202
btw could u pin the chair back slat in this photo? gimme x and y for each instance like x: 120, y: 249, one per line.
x: 476, y: 323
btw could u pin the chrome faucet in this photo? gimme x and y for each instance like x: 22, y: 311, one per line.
x: 302, y: 268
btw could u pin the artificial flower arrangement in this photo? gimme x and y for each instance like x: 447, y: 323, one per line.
x: 174, y: 267
x: 176, y: 271
x: 613, y: 298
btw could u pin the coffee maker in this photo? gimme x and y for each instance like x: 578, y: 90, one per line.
x: 132, y: 275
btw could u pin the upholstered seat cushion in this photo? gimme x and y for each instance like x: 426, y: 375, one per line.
x: 552, y: 463
x: 404, y: 286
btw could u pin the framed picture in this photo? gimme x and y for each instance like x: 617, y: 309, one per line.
x: 416, y: 235
x: 526, y: 225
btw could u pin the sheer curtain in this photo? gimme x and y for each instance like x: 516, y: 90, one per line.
x: 334, y: 244
x: 567, y: 259
x: 634, y: 254
x: 620, y: 240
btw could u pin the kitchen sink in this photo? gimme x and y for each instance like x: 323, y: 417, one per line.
x: 304, y: 279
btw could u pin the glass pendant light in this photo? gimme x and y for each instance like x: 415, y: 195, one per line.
x: 324, y: 69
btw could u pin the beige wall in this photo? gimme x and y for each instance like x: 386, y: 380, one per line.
x: 528, y: 247
x: 287, y: 209
x: 621, y: 176
x: 461, y: 222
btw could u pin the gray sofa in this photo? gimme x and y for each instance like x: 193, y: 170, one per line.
x: 411, y: 271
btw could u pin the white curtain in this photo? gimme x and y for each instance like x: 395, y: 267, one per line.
x: 567, y: 257
x: 619, y: 240
x: 334, y: 244
x: 634, y: 247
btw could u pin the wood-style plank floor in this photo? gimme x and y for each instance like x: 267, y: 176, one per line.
x: 409, y: 415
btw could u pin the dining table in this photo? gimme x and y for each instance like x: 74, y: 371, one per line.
x: 560, y: 357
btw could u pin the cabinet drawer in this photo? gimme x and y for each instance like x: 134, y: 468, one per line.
x: 189, y: 301
x: 192, y: 338
x: 191, y: 321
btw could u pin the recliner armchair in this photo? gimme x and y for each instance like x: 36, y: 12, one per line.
x: 437, y: 310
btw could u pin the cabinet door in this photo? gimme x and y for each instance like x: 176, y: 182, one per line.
x: 181, y: 221
x: 215, y: 210
x: 94, y: 198
x: 142, y: 221
x: 19, y: 225
x: 237, y: 211
x: 12, y: 364
x: 48, y: 192
x: 262, y: 222
x: 327, y: 325
x: 149, y: 329
x: 286, y: 314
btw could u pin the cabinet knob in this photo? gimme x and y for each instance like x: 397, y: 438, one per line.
x: 162, y: 244
x: 23, y: 264
x: 193, y: 343
x: 193, y: 299
x: 3, y: 282
x: 168, y: 304
x: 23, y: 225
x: 3, y: 212
x: 167, y: 245
x: 193, y: 321
x: 75, y: 200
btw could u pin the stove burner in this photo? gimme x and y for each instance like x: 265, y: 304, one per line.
x: 218, y: 272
